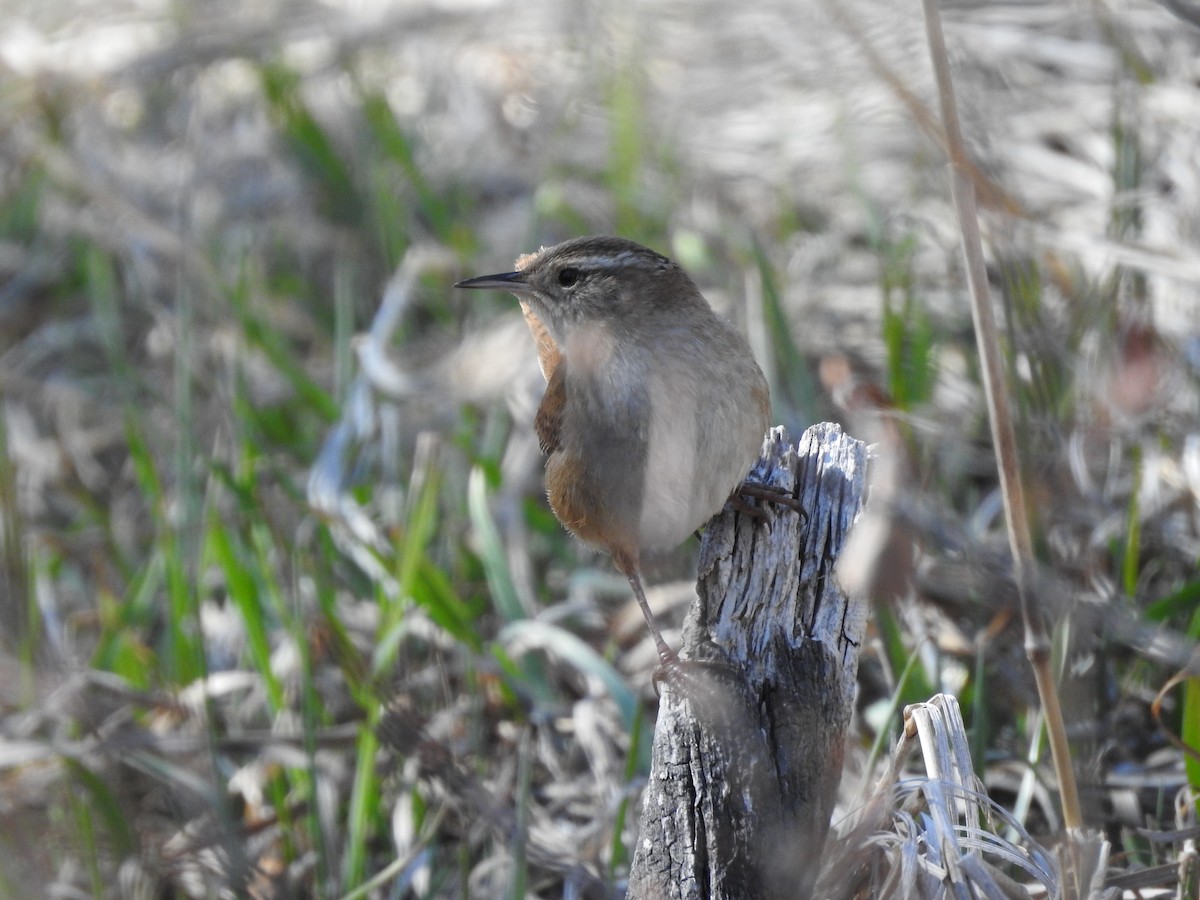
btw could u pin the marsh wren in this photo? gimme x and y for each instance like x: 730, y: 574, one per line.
x: 654, y: 409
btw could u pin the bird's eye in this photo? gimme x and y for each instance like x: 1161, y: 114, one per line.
x: 568, y: 277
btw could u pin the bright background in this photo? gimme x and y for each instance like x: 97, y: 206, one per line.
x: 201, y: 205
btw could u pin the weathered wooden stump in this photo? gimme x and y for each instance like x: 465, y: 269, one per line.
x: 748, y: 746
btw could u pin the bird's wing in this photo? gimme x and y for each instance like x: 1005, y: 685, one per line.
x: 548, y: 421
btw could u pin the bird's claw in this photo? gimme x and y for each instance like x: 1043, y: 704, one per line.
x: 765, y: 493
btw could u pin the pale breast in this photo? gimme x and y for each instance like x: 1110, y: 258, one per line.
x: 654, y: 437
x: 596, y: 478
x: 705, y: 433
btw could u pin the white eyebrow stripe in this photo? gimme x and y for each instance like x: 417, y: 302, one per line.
x: 621, y: 260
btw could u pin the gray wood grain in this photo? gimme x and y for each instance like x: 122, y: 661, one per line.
x: 748, y: 746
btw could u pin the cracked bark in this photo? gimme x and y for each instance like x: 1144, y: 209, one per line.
x: 749, y: 741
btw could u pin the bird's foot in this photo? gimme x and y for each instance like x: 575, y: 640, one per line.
x: 668, y: 669
x: 700, y: 680
x: 764, y: 493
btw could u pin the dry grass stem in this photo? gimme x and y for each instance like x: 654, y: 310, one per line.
x: 1037, y: 641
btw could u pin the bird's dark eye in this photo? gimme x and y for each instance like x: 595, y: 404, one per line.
x: 568, y: 277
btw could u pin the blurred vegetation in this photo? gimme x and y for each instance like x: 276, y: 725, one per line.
x: 211, y: 690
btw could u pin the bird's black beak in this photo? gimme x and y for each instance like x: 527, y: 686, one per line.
x: 506, y: 281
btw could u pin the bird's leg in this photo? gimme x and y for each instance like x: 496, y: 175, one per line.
x: 628, y: 565
x: 698, y: 679
x: 766, y: 493
x: 666, y: 656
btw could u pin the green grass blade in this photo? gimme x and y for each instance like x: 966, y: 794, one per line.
x: 311, y: 146
x: 1184, y: 600
x: 620, y: 856
x: 268, y: 340
x: 242, y: 589
x: 399, y: 148
x: 185, y: 658
x: 495, y: 560
x: 364, y: 805
x: 1131, y: 555
x: 1190, y: 730
x: 794, y: 391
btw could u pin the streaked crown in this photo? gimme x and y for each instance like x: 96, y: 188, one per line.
x: 590, y: 278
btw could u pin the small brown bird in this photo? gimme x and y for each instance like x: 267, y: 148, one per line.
x: 654, y: 409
